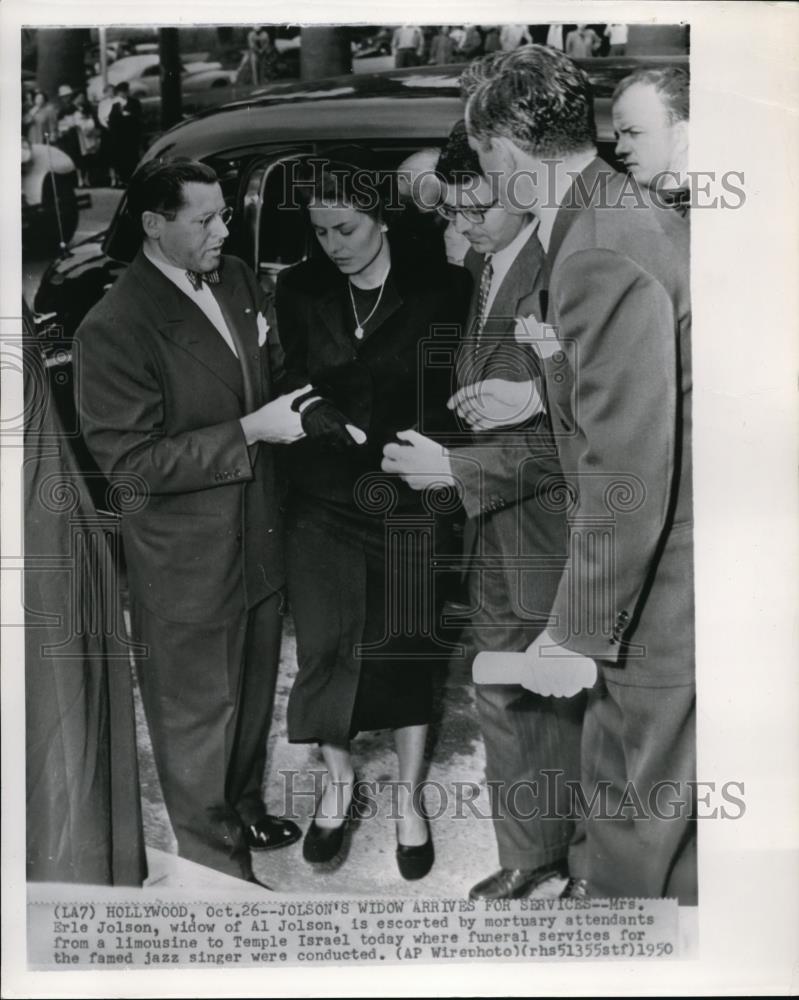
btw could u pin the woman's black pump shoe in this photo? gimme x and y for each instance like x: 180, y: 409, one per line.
x: 323, y: 843
x: 415, y: 862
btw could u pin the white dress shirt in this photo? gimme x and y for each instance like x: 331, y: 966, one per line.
x: 503, y: 259
x: 204, y: 298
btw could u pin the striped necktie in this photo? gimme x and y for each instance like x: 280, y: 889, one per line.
x: 482, y: 298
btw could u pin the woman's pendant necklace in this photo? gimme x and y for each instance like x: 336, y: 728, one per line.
x: 358, y: 324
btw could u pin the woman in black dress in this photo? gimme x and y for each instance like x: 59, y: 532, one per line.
x: 351, y: 320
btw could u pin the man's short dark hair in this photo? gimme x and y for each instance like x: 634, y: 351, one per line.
x: 672, y: 84
x: 458, y: 162
x: 157, y: 186
x: 539, y: 99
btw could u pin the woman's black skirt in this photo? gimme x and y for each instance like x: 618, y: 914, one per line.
x: 366, y: 597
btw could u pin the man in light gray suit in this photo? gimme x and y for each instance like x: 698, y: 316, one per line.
x: 616, y: 353
x: 510, y: 486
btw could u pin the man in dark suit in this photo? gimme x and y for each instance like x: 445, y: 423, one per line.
x: 515, y: 539
x: 618, y: 384
x: 173, y: 390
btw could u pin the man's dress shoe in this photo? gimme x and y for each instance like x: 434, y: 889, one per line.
x: 271, y: 832
x: 513, y: 883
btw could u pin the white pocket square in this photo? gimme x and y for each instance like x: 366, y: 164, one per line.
x: 539, y: 335
x: 263, y: 328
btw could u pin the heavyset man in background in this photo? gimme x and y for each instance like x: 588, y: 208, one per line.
x: 617, y: 358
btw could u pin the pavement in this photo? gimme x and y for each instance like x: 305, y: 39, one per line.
x: 462, y: 830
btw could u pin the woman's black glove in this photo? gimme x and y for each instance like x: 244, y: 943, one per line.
x: 325, y: 423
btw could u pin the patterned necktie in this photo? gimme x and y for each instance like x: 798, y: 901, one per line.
x: 482, y: 298
x: 196, y: 278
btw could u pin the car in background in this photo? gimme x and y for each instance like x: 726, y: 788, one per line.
x: 143, y: 74
x: 377, y: 44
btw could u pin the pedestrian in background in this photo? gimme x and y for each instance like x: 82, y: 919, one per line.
x: 555, y: 37
x: 268, y: 57
x: 442, y: 48
x: 68, y: 140
x: 126, y: 129
x: 472, y: 45
x: 407, y: 45
x: 511, y: 36
x: 582, y: 43
x: 41, y: 121
x: 491, y: 39
x: 106, y: 152
x: 88, y: 132
x: 248, y: 70
x: 617, y: 35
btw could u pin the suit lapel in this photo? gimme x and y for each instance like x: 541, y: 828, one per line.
x: 596, y: 174
x: 235, y: 303
x: 524, y: 278
x: 186, y: 325
x: 518, y: 295
x: 473, y: 262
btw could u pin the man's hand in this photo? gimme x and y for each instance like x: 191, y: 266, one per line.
x: 555, y: 671
x: 496, y: 402
x: 276, y: 422
x: 421, y: 463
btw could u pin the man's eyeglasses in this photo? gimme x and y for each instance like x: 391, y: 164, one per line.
x: 474, y: 214
x: 224, y: 215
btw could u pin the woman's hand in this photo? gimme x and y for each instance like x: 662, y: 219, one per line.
x: 322, y: 421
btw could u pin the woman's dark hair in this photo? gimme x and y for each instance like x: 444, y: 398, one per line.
x: 158, y: 185
x: 347, y: 175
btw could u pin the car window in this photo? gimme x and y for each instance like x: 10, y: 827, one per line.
x: 272, y: 227
x: 282, y: 232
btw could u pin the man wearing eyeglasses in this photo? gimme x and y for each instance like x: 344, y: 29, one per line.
x: 516, y: 535
x: 173, y: 386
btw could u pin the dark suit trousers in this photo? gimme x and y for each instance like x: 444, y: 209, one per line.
x: 525, y: 735
x: 207, y: 692
x: 636, y: 736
